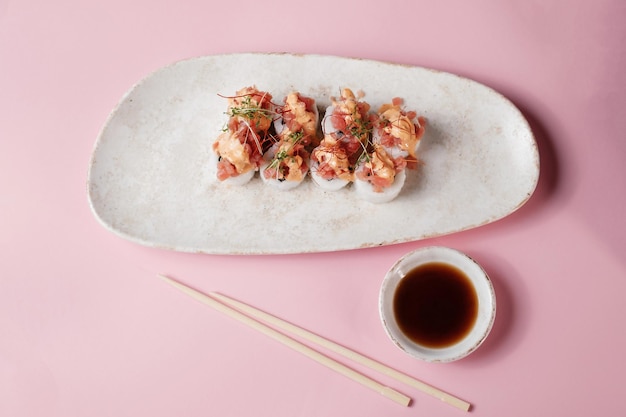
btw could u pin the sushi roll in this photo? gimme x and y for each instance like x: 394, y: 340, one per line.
x: 399, y: 131
x: 238, y: 151
x: 299, y: 114
x: 286, y: 164
x: 226, y: 172
x: 330, y: 165
x: 347, y: 115
x: 235, y: 158
x: 379, y: 178
x: 252, y: 108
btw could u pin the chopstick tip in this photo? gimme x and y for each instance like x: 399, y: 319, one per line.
x: 165, y: 277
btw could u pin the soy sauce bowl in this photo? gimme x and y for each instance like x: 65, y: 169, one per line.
x: 408, y: 304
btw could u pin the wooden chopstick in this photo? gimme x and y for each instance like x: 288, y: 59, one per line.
x: 292, y: 343
x: 348, y: 353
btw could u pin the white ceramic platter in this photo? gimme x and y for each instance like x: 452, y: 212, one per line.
x: 150, y: 179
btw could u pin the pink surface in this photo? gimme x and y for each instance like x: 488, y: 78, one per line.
x: 86, y: 328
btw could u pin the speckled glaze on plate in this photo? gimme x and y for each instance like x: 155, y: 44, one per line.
x: 150, y: 180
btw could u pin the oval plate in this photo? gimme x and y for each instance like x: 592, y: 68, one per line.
x: 150, y: 180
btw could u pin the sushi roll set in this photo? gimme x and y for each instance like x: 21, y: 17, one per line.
x: 281, y: 142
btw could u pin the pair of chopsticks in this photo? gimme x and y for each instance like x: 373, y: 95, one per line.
x: 252, y: 317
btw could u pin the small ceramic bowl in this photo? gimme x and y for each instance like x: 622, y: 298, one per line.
x: 485, y: 311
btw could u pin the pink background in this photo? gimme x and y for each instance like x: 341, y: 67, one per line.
x: 86, y: 328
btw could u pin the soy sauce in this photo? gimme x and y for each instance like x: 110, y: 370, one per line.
x: 435, y: 305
